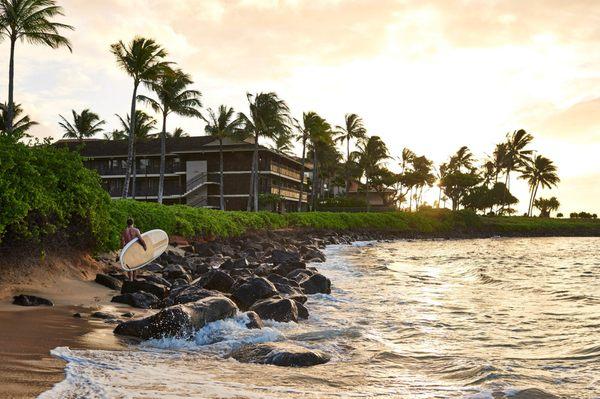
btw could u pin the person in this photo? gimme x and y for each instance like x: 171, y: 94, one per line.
x: 130, y: 233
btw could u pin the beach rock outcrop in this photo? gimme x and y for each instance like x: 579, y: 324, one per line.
x: 251, y: 291
x: 140, y: 299
x: 215, y: 280
x: 316, y: 284
x: 108, y: 281
x: 156, y: 289
x: 283, y: 310
x: 31, y: 300
x: 280, y: 354
x: 191, y: 293
x: 179, y: 321
x: 254, y: 320
x: 282, y: 256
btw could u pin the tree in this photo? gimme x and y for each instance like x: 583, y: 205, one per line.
x: 20, y: 127
x: 116, y: 134
x: 540, y: 171
x: 174, y: 97
x: 177, y: 133
x: 143, y: 61
x: 353, y: 129
x: 221, y: 125
x: 85, y: 125
x: 142, y: 126
x: 546, y: 206
x: 267, y: 116
x: 370, y: 155
x: 459, y: 176
x: 28, y: 20
x: 515, y: 155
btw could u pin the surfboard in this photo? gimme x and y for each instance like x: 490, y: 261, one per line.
x: 134, y: 257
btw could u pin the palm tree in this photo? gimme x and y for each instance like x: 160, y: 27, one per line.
x: 177, y: 133
x: 516, y: 154
x: 541, y: 171
x: 221, y: 125
x: 319, y: 136
x: 85, y: 125
x: 116, y: 134
x: 173, y: 98
x: 352, y: 129
x: 28, y: 20
x: 462, y: 159
x: 143, y: 60
x: 546, y: 206
x: 20, y: 127
x: 370, y: 154
x: 142, y: 126
x: 268, y: 115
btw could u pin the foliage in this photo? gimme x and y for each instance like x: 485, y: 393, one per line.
x: 21, y: 124
x: 546, y: 206
x: 341, y: 202
x: 269, y: 199
x: 85, y: 125
x: 44, y: 191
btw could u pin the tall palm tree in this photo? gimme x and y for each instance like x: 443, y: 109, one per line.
x: 319, y: 137
x: 28, y: 20
x: 222, y: 124
x: 540, y: 171
x: 19, y: 127
x: 116, y: 134
x: 85, y: 125
x: 267, y: 116
x: 178, y: 132
x: 516, y: 155
x: 353, y: 129
x: 142, y: 126
x: 370, y: 154
x: 174, y: 97
x: 462, y: 159
x: 142, y: 60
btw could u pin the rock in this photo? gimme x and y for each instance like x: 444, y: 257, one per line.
x: 189, y: 294
x: 298, y: 298
x: 102, y: 315
x: 229, y: 264
x: 215, y: 280
x: 281, y: 256
x: 108, y: 281
x: 316, y: 284
x: 277, y: 309
x: 263, y: 269
x: 276, y: 278
x: 128, y: 314
x: 153, y: 267
x: 283, y: 269
x: 251, y: 291
x: 314, y: 255
x: 77, y: 315
x: 286, y: 289
x: 170, y: 256
x: 140, y: 299
x: 203, y: 249
x: 179, y: 321
x: 254, y: 320
x: 280, y: 354
x: 179, y: 282
x: 153, y: 278
x: 302, y: 310
x: 159, y: 290
x: 300, y: 274
x: 31, y: 300
x: 172, y: 272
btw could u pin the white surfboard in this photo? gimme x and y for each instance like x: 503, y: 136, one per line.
x: 134, y: 257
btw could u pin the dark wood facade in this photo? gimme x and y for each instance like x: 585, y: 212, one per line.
x: 192, y: 171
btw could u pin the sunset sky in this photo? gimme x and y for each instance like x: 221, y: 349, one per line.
x: 428, y: 75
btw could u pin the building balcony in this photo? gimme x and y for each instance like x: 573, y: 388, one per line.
x: 285, y: 171
x: 288, y: 193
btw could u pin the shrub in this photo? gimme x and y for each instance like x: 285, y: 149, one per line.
x: 559, y: 215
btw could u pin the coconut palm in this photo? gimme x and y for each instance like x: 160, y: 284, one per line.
x: 319, y: 137
x: 516, y: 155
x: 267, y: 116
x: 142, y: 126
x: 20, y: 126
x: 221, y: 125
x: 28, y: 20
x: 546, y: 206
x: 371, y: 153
x: 174, y: 97
x: 116, y: 134
x: 85, y: 125
x: 539, y: 172
x: 462, y: 159
x: 178, y: 132
x: 143, y: 61
x: 353, y: 129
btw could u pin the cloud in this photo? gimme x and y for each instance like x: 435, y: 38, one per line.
x: 579, y: 123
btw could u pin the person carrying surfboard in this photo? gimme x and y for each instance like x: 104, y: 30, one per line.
x: 131, y: 233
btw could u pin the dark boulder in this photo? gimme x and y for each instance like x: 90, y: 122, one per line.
x: 316, y: 284
x: 300, y: 274
x: 203, y: 249
x: 31, y: 300
x: 281, y: 256
x: 179, y: 321
x: 171, y: 257
x: 159, y: 290
x: 254, y: 320
x: 172, y: 272
x: 277, y: 309
x: 312, y: 254
x: 153, y: 267
x: 215, y: 280
x: 103, y: 315
x: 153, y: 278
x: 179, y: 283
x: 140, y: 299
x: 286, y: 289
x: 280, y: 354
x: 230, y: 264
x: 251, y: 291
x: 108, y: 281
x: 276, y: 278
x: 302, y: 310
x: 189, y: 294
x: 283, y: 269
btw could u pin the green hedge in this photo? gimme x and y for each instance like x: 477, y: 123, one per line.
x: 45, y: 191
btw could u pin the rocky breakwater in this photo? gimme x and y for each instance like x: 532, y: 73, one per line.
x: 266, y: 276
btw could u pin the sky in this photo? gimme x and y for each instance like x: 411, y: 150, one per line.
x: 430, y: 75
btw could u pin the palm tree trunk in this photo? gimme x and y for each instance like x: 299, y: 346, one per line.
x: 347, y: 165
x: 367, y: 192
x: 534, y: 193
x: 131, y: 138
x: 11, y: 82
x: 302, y: 173
x: 410, y: 200
x: 439, y: 198
x: 256, y: 174
x: 163, y: 150
x: 221, y: 195
x: 314, y: 180
x: 134, y: 177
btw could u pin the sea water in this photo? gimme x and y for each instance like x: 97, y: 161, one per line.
x: 484, y: 318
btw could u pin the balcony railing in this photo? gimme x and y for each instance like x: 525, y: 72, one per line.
x: 149, y: 170
x: 285, y: 171
x: 287, y: 192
